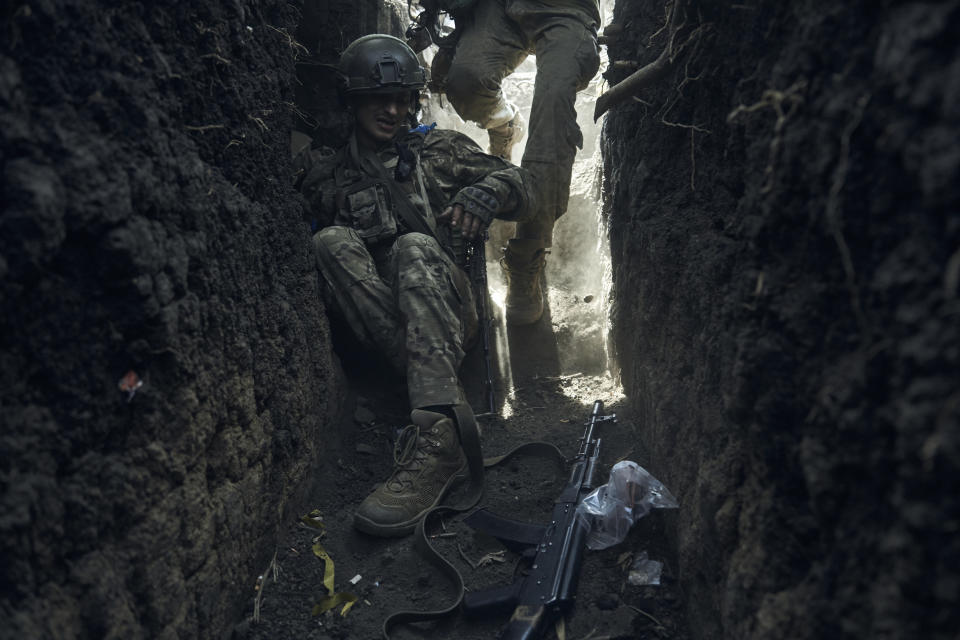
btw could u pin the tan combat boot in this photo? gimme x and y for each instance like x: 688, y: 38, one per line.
x: 522, y: 265
x: 504, y: 137
x: 428, y: 457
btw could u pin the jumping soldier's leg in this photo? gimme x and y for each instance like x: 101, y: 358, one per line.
x: 360, y: 294
x: 490, y: 48
x: 567, y: 58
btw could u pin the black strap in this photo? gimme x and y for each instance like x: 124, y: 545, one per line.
x: 421, y: 537
x: 470, y: 441
x: 368, y: 161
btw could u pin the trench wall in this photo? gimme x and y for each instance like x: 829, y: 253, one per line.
x: 784, y: 234
x: 147, y: 225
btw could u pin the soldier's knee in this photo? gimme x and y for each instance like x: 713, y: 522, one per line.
x: 417, y: 244
x: 330, y: 235
x: 420, y: 257
x: 588, y: 62
x: 327, y: 238
x: 570, y: 71
x: 465, y: 84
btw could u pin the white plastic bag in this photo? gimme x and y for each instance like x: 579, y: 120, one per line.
x: 611, y: 509
x: 644, y: 571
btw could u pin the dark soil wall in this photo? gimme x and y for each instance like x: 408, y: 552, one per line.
x: 147, y: 225
x: 786, y: 284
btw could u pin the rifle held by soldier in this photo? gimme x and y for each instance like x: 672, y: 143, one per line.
x: 477, y: 271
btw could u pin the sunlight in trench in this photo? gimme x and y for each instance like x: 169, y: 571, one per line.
x: 578, y: 271
x: 498, y: 295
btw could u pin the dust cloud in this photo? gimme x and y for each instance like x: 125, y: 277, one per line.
x: 578, y: 273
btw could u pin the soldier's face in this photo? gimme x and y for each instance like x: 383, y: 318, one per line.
x: 380, y: 116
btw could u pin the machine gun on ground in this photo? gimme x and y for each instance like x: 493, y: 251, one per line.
x: 556, y: 549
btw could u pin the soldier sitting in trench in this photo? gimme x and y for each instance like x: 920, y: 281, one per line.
x: 394, y: 207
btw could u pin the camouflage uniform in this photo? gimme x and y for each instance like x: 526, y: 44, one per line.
x: 496, y: 38
x: 401, y: 291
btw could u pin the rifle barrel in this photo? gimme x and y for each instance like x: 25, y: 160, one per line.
x: 591, y: 423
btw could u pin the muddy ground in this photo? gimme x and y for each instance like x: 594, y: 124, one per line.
x: 548, y: 404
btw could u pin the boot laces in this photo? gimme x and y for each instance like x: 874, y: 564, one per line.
x: 409, y: 453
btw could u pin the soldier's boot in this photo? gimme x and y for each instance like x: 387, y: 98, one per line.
x: 504, y: 137
x: 427, y: 458
x: 522, y: 264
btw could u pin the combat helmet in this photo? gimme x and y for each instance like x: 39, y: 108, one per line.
x: 379, y: 63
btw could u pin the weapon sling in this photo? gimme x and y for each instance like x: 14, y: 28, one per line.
x: 581, y: 478
x: 422, y: 540
x: 408, y: 212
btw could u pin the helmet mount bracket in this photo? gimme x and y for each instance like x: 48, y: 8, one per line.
x: 388, y: 71
x: 379, y: 63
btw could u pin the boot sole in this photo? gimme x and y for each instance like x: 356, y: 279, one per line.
x: 406, y: 527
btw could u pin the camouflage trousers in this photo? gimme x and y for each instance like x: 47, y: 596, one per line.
x: 497, y: 38
x: 407, y: 301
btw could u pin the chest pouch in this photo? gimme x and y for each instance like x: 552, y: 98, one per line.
x: 365, y: 207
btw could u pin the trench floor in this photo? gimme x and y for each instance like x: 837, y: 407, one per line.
x: 542, y: 393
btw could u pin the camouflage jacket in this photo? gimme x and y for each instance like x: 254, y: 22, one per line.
x: 345, y: 187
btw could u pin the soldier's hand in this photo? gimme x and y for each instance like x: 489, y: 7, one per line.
x: 456, y: 216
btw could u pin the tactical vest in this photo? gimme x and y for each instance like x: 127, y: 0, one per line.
x: 380, y: 206
x: 364, y: 204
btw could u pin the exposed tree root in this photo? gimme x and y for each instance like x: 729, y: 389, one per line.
x: 656, y: 70
x: 785, y: 104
